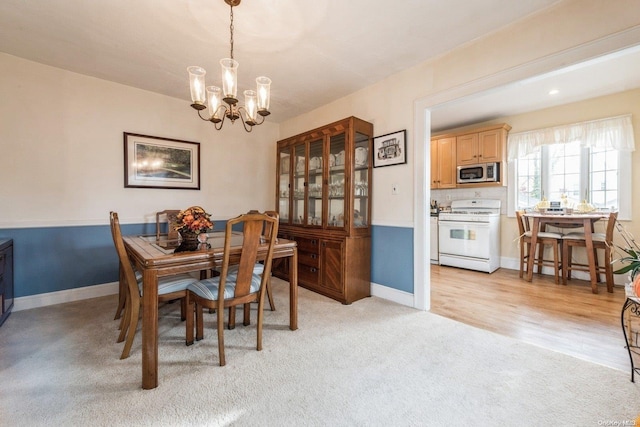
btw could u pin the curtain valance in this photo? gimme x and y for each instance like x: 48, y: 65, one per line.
x: 610, y: 132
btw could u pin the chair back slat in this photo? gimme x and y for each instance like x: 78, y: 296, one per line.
x: 253, y: 225
x: 523, y: 223
x: 168, y: 217
x: 611, y: 226
x: 125, y: 262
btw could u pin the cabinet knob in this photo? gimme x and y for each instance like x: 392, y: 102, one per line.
x: 314, y: 256
x: 313, y: 242
x: 313, y: 269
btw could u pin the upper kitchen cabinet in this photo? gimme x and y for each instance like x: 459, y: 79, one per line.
x: 485, y: 145
x: 443, y: 162
x: 323, y: 198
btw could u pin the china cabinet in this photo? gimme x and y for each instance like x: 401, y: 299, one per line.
x: 323, y: 197
x: 6, y: 278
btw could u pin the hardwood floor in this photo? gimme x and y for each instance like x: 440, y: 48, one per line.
x: 568, y: 319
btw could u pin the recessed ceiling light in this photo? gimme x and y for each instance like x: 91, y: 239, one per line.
x: 554, y: 92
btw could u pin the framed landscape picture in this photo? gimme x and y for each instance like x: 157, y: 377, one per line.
x: 154, y: 162
x: 390, y: 149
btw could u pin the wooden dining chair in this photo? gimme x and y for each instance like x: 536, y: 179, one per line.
x: 166, y: 222
x: 544, y: 239
x: 169, y: 288
x: 601, y: 241
x: 240, y: 285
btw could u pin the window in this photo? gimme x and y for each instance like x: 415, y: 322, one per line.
x: 587, y: 160
x: 569, y: 170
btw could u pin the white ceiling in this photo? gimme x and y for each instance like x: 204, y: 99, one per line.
x: 315, y: 51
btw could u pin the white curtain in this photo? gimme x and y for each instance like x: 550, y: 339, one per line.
x: 610, y: 132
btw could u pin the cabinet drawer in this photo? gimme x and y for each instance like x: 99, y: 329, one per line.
x: 308, y: 258
x: 307, y: 245
x: 308, y: 275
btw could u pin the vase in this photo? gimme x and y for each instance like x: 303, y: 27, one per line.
x: 189, y: 236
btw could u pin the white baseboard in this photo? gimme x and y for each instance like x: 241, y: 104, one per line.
x: 395, y: 295
x: 69, y: 295
x: 514, y: 264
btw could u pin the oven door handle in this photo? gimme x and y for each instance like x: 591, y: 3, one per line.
x: 449, y: 223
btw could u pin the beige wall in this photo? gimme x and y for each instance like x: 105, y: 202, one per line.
x: 570, y: 32
x: 61, y: 148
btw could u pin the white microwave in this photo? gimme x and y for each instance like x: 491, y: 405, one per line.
x: 482, y: 172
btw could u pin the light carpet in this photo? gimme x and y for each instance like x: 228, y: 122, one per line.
x: 372, y: 363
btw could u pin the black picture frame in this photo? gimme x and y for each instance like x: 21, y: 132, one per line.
x: 156, y: 162
x: 390, y: 149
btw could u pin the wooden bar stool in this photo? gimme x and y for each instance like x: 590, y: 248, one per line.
x: 544, y: 239
x: 603, y: 241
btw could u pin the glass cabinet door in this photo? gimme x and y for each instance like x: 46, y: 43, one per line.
x: 284, y: 184
x: 314, y: 184
x: 299, y: 181
x: 361, y: 181
x: 336, y: 180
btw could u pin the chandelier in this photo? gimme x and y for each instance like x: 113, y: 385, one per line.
x: 222, y: 103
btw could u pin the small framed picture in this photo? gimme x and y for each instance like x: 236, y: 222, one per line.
x: 155, y: 162
x: 390, y: 149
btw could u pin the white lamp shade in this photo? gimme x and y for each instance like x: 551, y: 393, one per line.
x: 264, y: 92
x: 214, y: 99
x: 229, y: 77
x: 250, y: 105
x: 196, y: 83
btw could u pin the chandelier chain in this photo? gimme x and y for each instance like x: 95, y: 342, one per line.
x: 231, y: 31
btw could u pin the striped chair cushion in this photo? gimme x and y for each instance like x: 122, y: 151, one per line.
x: 258, y: 268
x: 208, y: 288
x: 167, y: 285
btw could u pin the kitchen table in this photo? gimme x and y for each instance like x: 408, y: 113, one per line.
x: 156, y: 258
x: 586, y: 220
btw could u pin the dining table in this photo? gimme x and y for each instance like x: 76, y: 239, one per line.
x: 157, y: 257
x: 540, y: 220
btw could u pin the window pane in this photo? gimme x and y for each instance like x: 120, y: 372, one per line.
x: 528, y: 178
x: 603, y: 181
x: 564, y: 170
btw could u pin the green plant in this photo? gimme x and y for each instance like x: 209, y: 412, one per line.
x: 632, y: 254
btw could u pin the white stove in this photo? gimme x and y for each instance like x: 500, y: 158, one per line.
x: 469, y: 235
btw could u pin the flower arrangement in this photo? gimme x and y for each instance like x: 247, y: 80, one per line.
x: 194, y: 219
x: 631, y: 259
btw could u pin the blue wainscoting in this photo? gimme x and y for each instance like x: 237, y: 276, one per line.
x: 392, y: 257
x: 51, y: 259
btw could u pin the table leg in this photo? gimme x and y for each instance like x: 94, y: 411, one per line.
x: 293, y: 290
x: 150, y: 329
x: 588, y: 237
x: 534, y: 243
